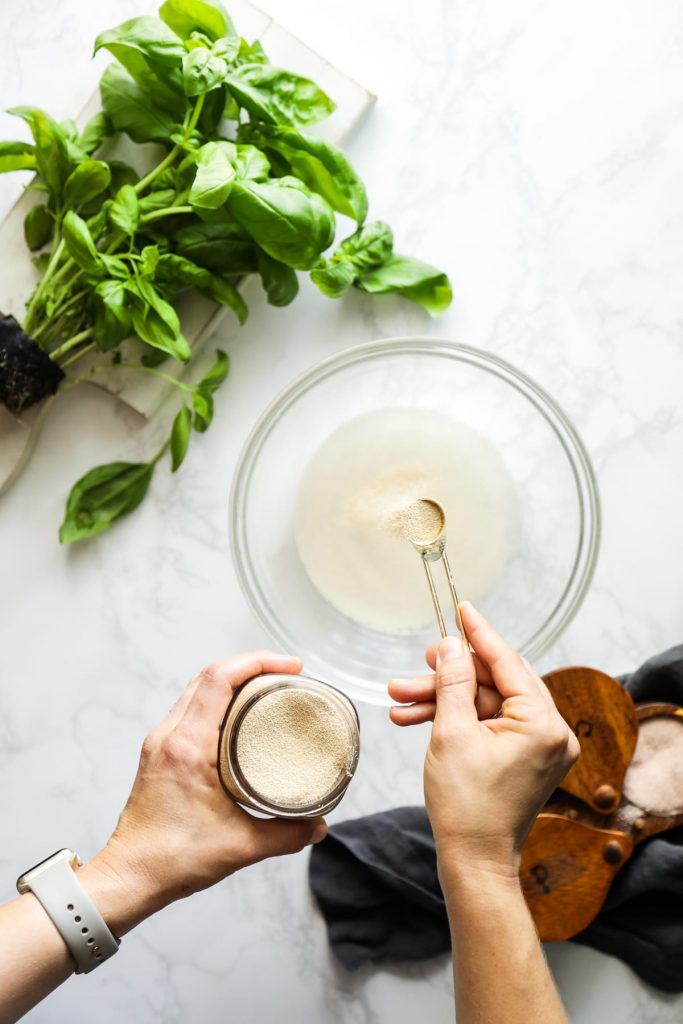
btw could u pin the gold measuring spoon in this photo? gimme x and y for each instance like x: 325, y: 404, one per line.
x: 433, y: 549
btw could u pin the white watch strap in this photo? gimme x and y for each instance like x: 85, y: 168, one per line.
x: 75, y: 916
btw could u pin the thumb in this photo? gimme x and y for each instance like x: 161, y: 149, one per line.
x: 456, y: 683
x: 278, y: 836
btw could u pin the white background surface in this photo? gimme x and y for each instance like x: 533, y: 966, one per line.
x: 534, y: 150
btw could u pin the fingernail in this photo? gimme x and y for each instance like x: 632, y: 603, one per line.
x: 319, y: 833
x: 449, y: 648
x: 471, y: 610
x: 401, y: 682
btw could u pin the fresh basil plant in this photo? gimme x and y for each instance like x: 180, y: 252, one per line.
x: 242, y: 187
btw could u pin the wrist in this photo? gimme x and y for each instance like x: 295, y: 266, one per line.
x: 120, y: 887
x: 464, y: 873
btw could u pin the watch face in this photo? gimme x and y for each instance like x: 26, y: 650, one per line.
x: 24, y: 881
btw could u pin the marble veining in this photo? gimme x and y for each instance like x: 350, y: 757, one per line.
x: 535, y: 150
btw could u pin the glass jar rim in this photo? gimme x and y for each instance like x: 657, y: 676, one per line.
x: 347, y: 712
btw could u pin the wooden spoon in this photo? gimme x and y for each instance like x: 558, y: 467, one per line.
x: 573, y: 852
x: 603, y: 717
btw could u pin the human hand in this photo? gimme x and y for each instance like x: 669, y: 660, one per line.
x: 179, y: 831
x: 485, y: 778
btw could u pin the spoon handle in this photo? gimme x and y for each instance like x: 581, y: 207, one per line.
x: 435, y: 598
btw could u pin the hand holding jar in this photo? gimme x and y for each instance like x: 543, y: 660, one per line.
x: 178, y: 833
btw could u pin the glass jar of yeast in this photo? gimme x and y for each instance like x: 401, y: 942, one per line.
x: 288, y: 746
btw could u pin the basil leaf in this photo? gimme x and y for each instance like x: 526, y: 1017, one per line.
x: 180, y: 437
x: 320, y: 165
x: 220, y: 247
x: 86, y: 181
x: 70, y: 130
x: 252, y: 53
x: 157, y: 200
x: 203, y: 410
x: 280, y: 282
x: 39, y: 227
x: 228, y: 48
x: 131, y: 110
x: 292, y: 224
x: 50, y: 147
x: 124, y: 212
x: 115, y: 266
x: 251, y: 164
x: 147, y: 36
x: 112, y: 316
x: 167, y: 179
x: 366, y: 248
x: 334, y: 279
x: 155, y: 321
x: 121, y: 174
x: 214, y: 177
x: 415, y: 280
x: 218, y: 216
x: 278, y: 97
x: 213, y: 112
x: 97, y: 223
x: 102, y: 496
x: 188, y: 16
x: 17, y: 156
x: 151, y: 54
x: 176, y: 273
x: 225, y: 294
x: 212, y: 380
x: 149, y: 260
x: 151, y: 328
x: 98, y: 128
x: 202, y: 72
x: 79, y: 243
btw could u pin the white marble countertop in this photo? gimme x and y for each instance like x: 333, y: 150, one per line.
x: 534, y: 150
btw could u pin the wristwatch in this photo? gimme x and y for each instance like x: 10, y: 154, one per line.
x: 55, y: 885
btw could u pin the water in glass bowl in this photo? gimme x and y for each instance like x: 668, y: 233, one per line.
x: 521, y: 502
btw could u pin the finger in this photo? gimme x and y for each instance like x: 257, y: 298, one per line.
x: 216, y: 683
x: 430, y: 656
x: 540, y: 682
x: 408, y: 691
x: 413, y: 714
x: 178, y: 710
x: 483, y: 674
x: 507, y: 668
x: 278, y: 836
x: 456, y: 685
x: 488, y: 702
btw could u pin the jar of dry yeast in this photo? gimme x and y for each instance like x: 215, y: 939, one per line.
x: 288, y: 746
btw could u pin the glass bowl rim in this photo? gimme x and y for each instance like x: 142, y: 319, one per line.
x: 585, y: 480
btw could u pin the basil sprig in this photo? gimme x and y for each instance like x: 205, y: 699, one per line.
x: 242, y: 186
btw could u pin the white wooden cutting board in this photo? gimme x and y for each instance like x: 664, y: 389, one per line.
x: 200, y: 317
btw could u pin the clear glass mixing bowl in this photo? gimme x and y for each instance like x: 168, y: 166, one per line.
x: 556, y: 521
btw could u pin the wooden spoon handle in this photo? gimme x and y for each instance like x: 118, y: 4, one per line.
x: 566, y: 870
x: 602, y: 715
